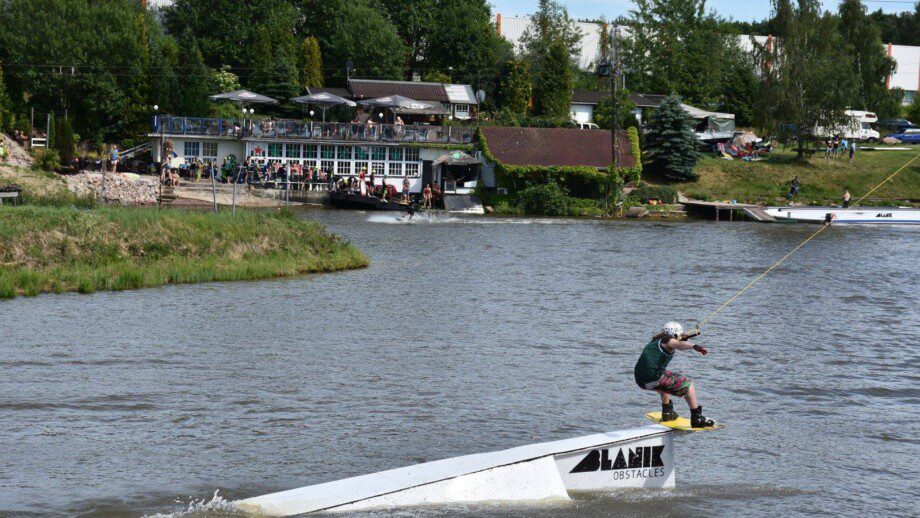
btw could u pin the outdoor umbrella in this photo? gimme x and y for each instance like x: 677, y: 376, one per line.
x: 243, y: 97
x: 396, y: 103
x: 324, y: 100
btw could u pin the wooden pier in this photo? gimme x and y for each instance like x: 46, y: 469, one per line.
x: 721, y: 209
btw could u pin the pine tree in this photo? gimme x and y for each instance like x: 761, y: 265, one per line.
x: 553, y: 88
x: 670, y: 142
x: 310, y: 64
x: 63, y: 140
x: 5, y: 105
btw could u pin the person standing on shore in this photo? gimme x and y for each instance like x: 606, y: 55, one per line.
x: 793, y: 188
x: 846, y: 198
x: 651, y: 373
x: 852, y: 150
x: 405, y: 188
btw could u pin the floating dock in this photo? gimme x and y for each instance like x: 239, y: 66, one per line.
x: 637, y: 457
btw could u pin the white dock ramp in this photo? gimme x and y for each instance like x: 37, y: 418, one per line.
x: 638, y: 457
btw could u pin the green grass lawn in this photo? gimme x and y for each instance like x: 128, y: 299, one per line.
x: 822, y: 181
x: 61, y: 249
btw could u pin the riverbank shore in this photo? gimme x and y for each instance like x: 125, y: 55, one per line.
x: 54, y: 249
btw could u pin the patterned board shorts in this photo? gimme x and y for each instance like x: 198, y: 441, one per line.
x: 673, y: 383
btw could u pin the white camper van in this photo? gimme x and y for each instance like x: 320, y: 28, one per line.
x: 858, y: 126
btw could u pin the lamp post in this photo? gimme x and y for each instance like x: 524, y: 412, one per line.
x: 159, y: 125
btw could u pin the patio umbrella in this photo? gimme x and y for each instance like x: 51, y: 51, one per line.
x: 243, y: 97
x: 396, y: 103
x: 324, y: 100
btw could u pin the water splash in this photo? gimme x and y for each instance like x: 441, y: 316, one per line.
x: 203, y: 507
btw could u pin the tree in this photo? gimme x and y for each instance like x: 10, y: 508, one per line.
x: 808, y: 83
x: 414, y: 21
x: 870, y: 65
x: 625, y: 117
x: 553, y: 88
x: 272, y: 60
x: 6, y: 106
x: 436, y: 76
x: 516, y: 87
x: 310, y: 64
x: 64, y: 139
x: 739, y: 87
x: 467, y: 41
x: 670, y: 142
x: 224, y: 80
x: 194, y: 83
x: 675, y: 46
x: 353, y: 30
x: 913, y: 110
x: 551, y: 23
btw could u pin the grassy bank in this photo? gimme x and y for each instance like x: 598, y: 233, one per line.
x: 823, y: 181
x: 62, y: 249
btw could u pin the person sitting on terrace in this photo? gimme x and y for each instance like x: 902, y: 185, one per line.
x: 399, y: 121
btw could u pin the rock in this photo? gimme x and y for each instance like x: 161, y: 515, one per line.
x: 890, y: 141
x: 636, y: 212
x: 489, y: 209
x: 118, y: 188
x: 18, y: 156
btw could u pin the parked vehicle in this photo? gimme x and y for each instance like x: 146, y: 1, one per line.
x: 908, y: 136
x: 587, y: 125
x: 895, y: 125
x: 858, y: 126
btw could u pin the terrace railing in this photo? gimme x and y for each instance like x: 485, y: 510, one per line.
x: 299, y: 130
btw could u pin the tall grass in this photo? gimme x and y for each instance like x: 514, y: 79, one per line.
x: 62, y: 249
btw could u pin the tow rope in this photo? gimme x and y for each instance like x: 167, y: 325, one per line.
x: 794, y: 250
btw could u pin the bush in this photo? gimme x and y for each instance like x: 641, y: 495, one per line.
x: 47, y: 159
x: 646, y: 192
x: 547, y: 199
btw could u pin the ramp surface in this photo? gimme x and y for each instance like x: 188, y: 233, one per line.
x: 533, y: 472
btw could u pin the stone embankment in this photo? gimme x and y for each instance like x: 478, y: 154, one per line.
x: 119, y: 189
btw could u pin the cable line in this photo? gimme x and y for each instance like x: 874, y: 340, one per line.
x: 794, y: 250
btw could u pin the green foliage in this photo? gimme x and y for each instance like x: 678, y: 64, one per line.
x: 913, y: 110
x: 194, y: 81
x: 356, y: 31
x: 6, y: 106
x: 602, y: 112
x: 273, y: 56
x: 899, y: 28
x: 46, y: 159
x: 225, y: 80
x: 436, y: 76
x: 64, y: 140
x: 633, y: 174
x: 546, y: 199
x: 670, y: 142
x: 870, y: 64
x: 310, y: 64
x: 549, y: 25
x: 105, y: 94
x: 645, y: 192
x: 516, y: 87
x: 677, y: 46
x: 553, y: 87
x: 808, y: 82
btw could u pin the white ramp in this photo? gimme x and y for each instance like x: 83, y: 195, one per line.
x: 638, y: 457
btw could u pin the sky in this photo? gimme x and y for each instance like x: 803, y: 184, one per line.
x: 744, y: 10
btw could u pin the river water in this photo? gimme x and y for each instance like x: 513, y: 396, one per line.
x: 471, y: 335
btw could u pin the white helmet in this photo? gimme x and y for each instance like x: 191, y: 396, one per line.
x: 673, y: 329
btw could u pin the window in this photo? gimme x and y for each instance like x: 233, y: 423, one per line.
x: 462, y: 111
x: 412, y: 154
x: 292, y: 150
x: 309, y: 151
x: 378, y: 168
x: 412, y: 169
x: 378, y: 153
x: 209, y: 149
x: 327, y: 166
x: 360, y: 166
x: 343, y: 168
x: 192, y: 149
x: 396, y: 154
x: 361, y: 153
x: 327, y: 152
x: 274, y: 149
x: 396, y: 169
x: 344, y: 153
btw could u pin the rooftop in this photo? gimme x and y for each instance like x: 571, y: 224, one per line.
x: 556, y: 147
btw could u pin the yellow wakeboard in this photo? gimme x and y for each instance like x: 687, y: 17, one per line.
x: 681, y: 423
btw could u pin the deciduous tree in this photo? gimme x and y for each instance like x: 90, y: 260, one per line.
x: 516, y: 87
x: 870, y: 66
